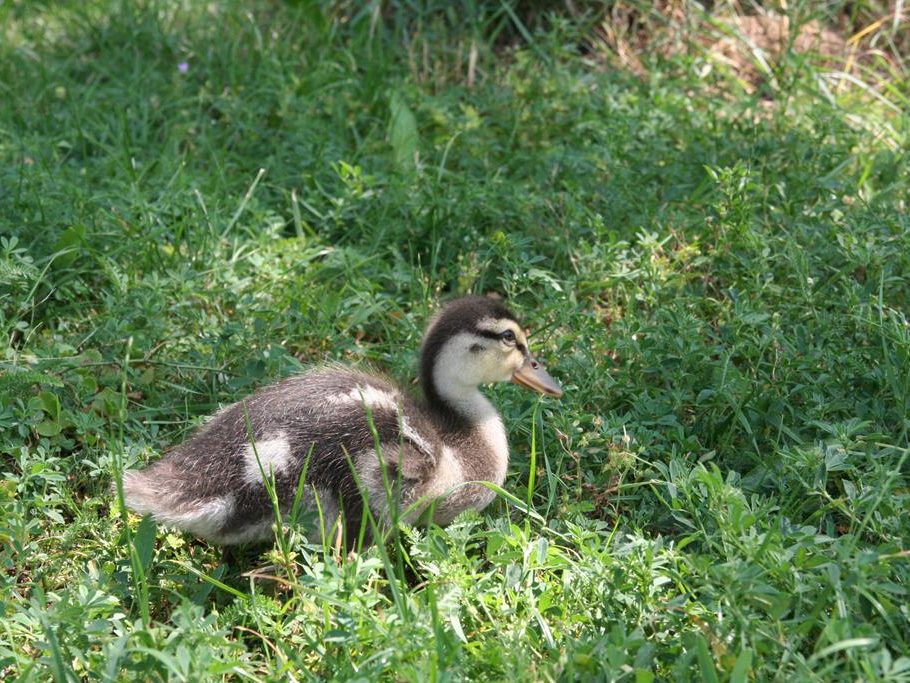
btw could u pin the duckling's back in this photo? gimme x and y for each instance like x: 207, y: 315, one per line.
x: 324, y: 424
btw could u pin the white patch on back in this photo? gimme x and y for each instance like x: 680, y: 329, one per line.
x: 274, y: 456
x: 372, y: 396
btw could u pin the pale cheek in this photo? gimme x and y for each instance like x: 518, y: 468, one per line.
x: 512, y: 363
x: 494, y: 370
x: 484, y: 370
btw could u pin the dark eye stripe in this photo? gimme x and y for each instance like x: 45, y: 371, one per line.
x: 508, y: 335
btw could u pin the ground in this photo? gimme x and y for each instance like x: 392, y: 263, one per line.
x: 197, y: 199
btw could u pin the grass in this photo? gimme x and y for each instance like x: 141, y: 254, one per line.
x: 196, y: 199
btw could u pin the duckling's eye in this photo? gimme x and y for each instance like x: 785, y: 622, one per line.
x: 508, y: 337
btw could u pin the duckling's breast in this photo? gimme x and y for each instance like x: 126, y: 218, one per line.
x: 479, y: 453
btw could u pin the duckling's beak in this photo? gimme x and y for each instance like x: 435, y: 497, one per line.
x: 532, y: 376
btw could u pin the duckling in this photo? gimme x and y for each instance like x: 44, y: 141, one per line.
x: 324, y: 425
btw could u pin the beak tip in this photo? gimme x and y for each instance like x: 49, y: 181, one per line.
x: 537, y: 379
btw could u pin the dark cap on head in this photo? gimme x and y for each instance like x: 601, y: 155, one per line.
x: 462, y: 314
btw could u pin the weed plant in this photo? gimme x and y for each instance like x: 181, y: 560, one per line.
x: 198, y: 198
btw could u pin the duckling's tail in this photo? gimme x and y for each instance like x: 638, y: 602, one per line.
x: 159, y: 492
x: 146, y: 492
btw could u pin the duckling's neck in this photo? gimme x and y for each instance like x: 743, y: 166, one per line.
x: 456, y: 404
x: 466, y: 402
x: 473, y: 426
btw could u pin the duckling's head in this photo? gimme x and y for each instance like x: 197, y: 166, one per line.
x: 476, y: 340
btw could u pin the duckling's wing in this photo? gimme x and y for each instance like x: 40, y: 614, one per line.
x: 324, y: 423
x: 349, y: 414
x: 361, y: 436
